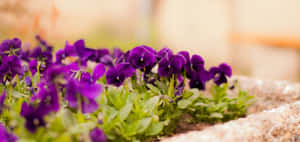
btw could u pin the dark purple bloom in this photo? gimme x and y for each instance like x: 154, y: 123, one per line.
x: 34, y: 116
x: 48, y: 98
x: 24, y: 55
x: 97, y: 54
x: 198, y: 79
x: 117, y: 75
x: 107, y: 60
x: 180, y: 87
x: 2, y: 99
x: 171, y: 65
x: 10, y: 47
x: 123, y: 58
x: 117, y: 52
x: 97, y: 135
x: 79, y: 49
x: 45, y: 57
x: 85, y: 92
x: 39, y: 54
x: 165, y: 52
x: 5, y: 136
x: 28, y: 81
x: 33, y: 66
x: 10, y: 66
x: 60, y: 55
x: 70, y: 50
x: 142, y: 56
x: 44, y: 43
x: 99, y: 71
x: 219, y: 73
x: 55, y: 74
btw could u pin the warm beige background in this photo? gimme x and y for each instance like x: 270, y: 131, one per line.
x: 199, y: 26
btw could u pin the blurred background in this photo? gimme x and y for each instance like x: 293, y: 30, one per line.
x: 259, y: 38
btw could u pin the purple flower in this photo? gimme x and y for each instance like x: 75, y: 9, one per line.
x: 97, y: 54
x: 79, y: 49
x: 10, y: 47
x: 55, y: 74
x: 142, y: 56
x: 28, y: 81
x: 40, y: 55
x: 165, y: 52
x: 34, y: 116
x: 219, y: 73
x: 107, y: 60
x: 10, y: 66
x: 44, y: 43
x: 60, y: 55
x: 24, y: 55
x: 48, y: 98
x: 2, y: 99
x: 180, y: 87
x: 117, y: 75
x: 33, y: 66
x: 5, y: 136
x: 117, y: 52
x: 123, y: 58
x: 70, y: 50
x: 84, y: 93
x: 97, y: 135
x: 198, y: 79
x: 99, y: 71
x: 171, y: 65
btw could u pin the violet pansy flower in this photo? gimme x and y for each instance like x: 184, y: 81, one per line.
x: 5, y: 136
x: 98, y: 72
x: 83, y: 93
x: 97, y: 135
x: 116, y: 75
x: 34, y: 116
x: 48, y: 98
x: 198, y: 79
x: 10, y: 47
x: 171, y: 65
x: 10, y: 67
x: 142, y: 56
x: 220, y: 73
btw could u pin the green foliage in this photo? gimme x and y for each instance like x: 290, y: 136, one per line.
x: 130, y: 116
x: 220, y: 107
x: 129, y: 113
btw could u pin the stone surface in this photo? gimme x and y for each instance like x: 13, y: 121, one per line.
x: 280, y: 124
x: 275, y: 116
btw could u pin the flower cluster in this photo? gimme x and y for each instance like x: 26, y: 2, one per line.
x: 64, y: 80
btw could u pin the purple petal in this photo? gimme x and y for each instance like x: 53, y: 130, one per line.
x: 98, y: 72
x: 89, y: 105
x: 90, y: 91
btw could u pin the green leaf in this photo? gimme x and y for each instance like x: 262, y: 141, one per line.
x: 171, y: 87
x: 109, y: 113
x: 143, y: 124
x: 68, y: 118
x: 151, y: 104
x: 124, y: 112
x: 216, y: 115
x: 153, y: 89
x: 182, y: 104
x: 154, y: 129
x: 64, y: 138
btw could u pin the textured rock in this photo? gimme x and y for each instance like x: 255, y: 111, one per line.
x: 280, y: 124
x: 275, y: 116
